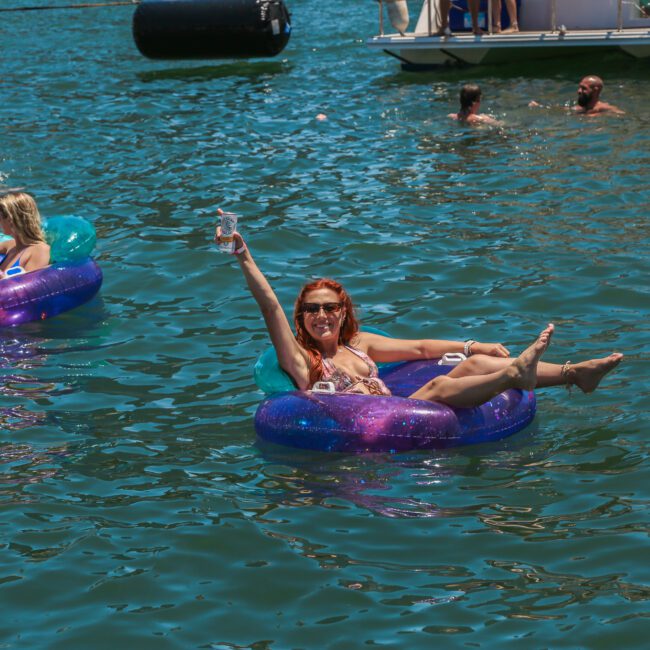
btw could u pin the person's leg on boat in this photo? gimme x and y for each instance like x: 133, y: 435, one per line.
x: 474, y: 12
x: 511, y: 6
x: 443, y: 29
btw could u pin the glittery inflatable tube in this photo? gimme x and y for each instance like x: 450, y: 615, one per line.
x: 71, y: 280
x: 344, y: 422
x: 50, y: 291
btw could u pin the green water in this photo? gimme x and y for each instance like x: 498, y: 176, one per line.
x: 138, y: 510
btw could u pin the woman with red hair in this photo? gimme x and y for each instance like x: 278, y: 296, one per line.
x: 328, y: 346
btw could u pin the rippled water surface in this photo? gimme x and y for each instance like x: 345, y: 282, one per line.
x: 138, y: 509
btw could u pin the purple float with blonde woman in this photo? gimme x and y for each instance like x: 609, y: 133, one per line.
x: 338, y: 399
x: 39, y: 280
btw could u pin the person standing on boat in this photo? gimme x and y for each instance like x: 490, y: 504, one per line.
x: 445, y: 6
x: 511, y: 5
x: 470, y: 104
x: 589, y: 102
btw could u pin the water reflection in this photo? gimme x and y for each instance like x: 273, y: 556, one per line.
x: 24, y: 464
x: 198, y: 73
x: 301, y: 479
x: 571, y: 70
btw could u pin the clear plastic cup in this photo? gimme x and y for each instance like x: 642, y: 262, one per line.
x: 228, y: 227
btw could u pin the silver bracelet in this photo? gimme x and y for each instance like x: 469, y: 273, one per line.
x: 467, y: 350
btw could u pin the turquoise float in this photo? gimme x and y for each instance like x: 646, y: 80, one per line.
x: 71, y: 279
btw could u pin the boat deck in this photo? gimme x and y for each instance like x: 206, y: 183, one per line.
x: 465, y: 47
x: 516, y: 39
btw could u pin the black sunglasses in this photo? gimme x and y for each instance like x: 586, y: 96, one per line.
x: 315, y: 307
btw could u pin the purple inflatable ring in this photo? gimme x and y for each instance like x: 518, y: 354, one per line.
x: 47, y: 292
x: 347, y: 422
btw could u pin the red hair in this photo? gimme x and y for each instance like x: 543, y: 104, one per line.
x: 349, y: 326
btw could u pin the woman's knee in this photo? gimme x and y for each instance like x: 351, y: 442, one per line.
x: 479, y: 364
x: 474, y: 365
x: 436, y: 389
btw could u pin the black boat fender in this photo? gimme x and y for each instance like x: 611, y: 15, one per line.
x: 211, y: 29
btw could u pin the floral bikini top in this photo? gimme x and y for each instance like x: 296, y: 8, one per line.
x: 343, y: 383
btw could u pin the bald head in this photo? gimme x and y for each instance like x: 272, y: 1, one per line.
x: 589, y: 91
x: 594, y: 81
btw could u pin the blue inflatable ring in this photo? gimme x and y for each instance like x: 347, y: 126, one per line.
x: 72, y: 279
x: 345, y: 422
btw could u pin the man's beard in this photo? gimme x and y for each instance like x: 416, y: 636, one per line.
x: 583, y: 100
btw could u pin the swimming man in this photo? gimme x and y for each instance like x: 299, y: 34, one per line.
x: 589, y: 102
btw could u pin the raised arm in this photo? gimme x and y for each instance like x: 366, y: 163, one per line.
x: 293, y: 359
x: 383, y: 349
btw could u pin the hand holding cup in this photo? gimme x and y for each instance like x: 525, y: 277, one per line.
x: 230, y: 243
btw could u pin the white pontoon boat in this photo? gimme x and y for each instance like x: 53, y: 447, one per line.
x: 547, y: 28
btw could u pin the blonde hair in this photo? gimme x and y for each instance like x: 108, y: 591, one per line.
x: 19, y: 208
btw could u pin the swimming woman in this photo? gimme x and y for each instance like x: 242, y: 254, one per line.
x: 27, y: 250
x: 470, y: 105
x: 328, y: 346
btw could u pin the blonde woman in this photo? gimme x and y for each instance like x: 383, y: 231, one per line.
x: 26, y: 250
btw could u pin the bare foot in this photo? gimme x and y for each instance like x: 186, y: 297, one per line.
x: 523, y: 370
x: 444, y: 31
x: 511, y: 30
x: 588, y: 374
x: 478, y: 32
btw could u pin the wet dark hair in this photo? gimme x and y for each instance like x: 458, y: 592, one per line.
x: 469, y: 94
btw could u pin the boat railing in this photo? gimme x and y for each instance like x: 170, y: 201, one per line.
x: 398, y: 13
x: 554, y: 26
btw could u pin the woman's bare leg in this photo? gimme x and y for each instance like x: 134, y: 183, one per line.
x: 445, y: 6
x: 586, y: 375
x: 496, y: 16
x: 474, y: 10
x: 512, y: 14
x: 472, y: 390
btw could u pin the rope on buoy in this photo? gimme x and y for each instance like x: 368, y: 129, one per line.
x: 78, y: 6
